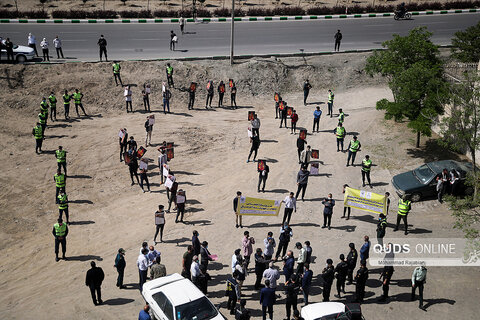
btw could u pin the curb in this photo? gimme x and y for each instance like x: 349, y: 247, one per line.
x: 243, y: 19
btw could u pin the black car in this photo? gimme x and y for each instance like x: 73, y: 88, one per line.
x: 420, y: 183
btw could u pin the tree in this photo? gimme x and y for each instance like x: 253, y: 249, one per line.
x: 414, y: 72
x: 466, y: 44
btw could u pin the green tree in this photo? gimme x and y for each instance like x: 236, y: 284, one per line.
x: 466, y: 44
x: 414, y: 72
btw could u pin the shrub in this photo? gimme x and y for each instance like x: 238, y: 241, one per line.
x: 69, y: 14
x: 259, y: 12
x: 288, y: 11
x: 218, y: 12
x: 8, y: 14
x: 319, y: 10
x: 166, y: 14
x: 102, y: 14
x: 35, y: 14
x: 136, y: 14
x: 203, y: 13
x: 414, y: 6
x: 239, y: 13
x: 432, y: 6
x: 356, y: 9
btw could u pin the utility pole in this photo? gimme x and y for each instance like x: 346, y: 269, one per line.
x: 232, y: 32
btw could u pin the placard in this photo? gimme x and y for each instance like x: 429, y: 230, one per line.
x: 281, y: 105
x: 143, y: 165
x: 303, y: 134
x: 276, y: 97
x: 250, y: 133
x: 170, y: 154
x: 193, y: 86
x: 141, y: 152
x: 151, y: 120
x: 168, y: 183
x: 126, y: 157
x: 251, y: 115
x: 315, y: 154
x: 313, y: 168
x: 165, y: 170
x: 258, y: 207
x: 261, y: 165
x: 230, y: 83
x: 365, y: 200
x: 289, y: 111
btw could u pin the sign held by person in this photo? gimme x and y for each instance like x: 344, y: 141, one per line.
x: 258, y: 207
x: 141, y: 152
x: 315, y: 154
x: 261, y: 165
x: 303, y: 134
x: 365, y: 200
x: 251, y: 115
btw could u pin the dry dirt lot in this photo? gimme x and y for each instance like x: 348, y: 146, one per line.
x: 210, y: 155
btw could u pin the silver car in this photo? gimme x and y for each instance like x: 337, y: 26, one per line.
x: 20, y: 53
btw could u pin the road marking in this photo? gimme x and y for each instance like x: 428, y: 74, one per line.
x: 145, y: 39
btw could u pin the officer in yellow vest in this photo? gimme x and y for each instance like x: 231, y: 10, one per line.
x: 330, y: 103
x: 353, y: 147
x: 60, y: 232
x: 169, y: 71
x: 116, y: 72
x: 77, y: 97
x: 63, y: 205
x: 42, y: 119
x: 60, y: 182
x: 44, y: 105
x: 61, y: 156
x: 404, y: 207
x: 66, y: 104
x: 37, y: 132
x: 366, y: 165
x: 341, y: 116
x: 340, y: 133
x: 53, y: 106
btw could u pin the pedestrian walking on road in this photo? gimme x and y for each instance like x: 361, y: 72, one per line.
x: 60, y: 232
x: 329, y: 203
x: 116, y: 73
x: 57, y: 43
x: 120, y: 264
x: 128, y: 98
x: 306, y: 90
x: 44, y: 45
x: 338, y: 38
x: 32, y: 43
x: 94, y: 280
x: 102, y: 45
x: 181, y: 22
x: 173, y: 40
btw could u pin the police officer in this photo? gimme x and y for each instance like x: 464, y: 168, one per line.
x: 221, y: 92
x: 53, y: 106
x: 63, y: 205
x: 60, y: 182
x: 66, y: 104
x: 37, y: 132
x: 387, y: 276
x: 77, y: 96
x: 169, y: 71
x: 351, y: 261
x: 381, y: 228
x: 340, y: 133
x: 361, y: 279
x: 353, y: 147
x: 116, y: 73
x: 366, y: 166
x: 341, y: 116
x: 328, y: 274
x: 404, y: 207
x: 42, y: 119
x: 60, y: 232
x: 61, y: 156
x: 331, y: 96
x: 341, y: 271
x: 306, y: 90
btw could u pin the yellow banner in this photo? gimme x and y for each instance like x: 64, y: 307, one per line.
x: 258, y: 207
x: 365, y: 200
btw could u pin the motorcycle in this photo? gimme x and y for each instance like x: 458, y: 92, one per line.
x: 402, y: 15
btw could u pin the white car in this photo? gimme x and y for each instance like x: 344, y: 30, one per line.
x: 20, y: 53
x: 332, y: 311
x: 175, y: 298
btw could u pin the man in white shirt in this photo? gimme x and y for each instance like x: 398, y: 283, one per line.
x: 32, y: 43
x: 272, y: 275
x: 290, y: 205
x: 195, y: 269
x: 44, y: 45
x: 128, y: 98
x: 256, y: 126
x: 142, y: 264
x: 302, y: 258
x: 57, y: 43
x: 235, y: 259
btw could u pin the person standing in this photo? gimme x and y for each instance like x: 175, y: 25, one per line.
x: 9, y: 49
x: 162, y: 160
x: 120, y: 265
x: 173, y: 40
x: 262, y: 177
x: 306, y: 89
x: 116, y: 73
x: 345, y: 208
x: 316, y: 118
x: 353, y: 147
x: 53, y: 106
x: 42, y: 119
x: 331, y: 96
x: 173, y: 195
x: 233, y: 293
x: 44, y: 45
x: 159, y: 223
x: 283, y: 115
x: 148, y: 129
x: 351, y: 261
x: 306, y: 283
x: 328, y: 274
x: 381, y: 228
x: 133, y: 168
x: 233, y: 96
x: 61, y: 156
x: 366, y: 166
x: 157, y: 269
x: 365, y: 249
x: 102, y: 45
x: 294, y: 120
x: 443, y: 181
x: 386, y: 276
x: 142, y: 264
x: 267, y: 300
x: 290, y: 205
x: 302, y: 181
x: 66, y: 104
x: 340, y: 133
x: 338, y: 38
x: 419, y: 277
x: 454, y: 181
x: 187, y: 262
x: 302, y: 258
x: 238, y: 218
x: 404, y: 207
x: 309, y: 251
x: 341, y: 116
x: 128, y: 98
x: 260, y: 267
x: 94, y: 280
x: 328, y: 203
x: 300, y: 147
x: 270, y: 244
x: 195, y: 270
x: 195, y: 243
x: 288, y: 265
x: 169, y: 71
x: 63, y: 206
x: 167, y: 95
x: 32, y: 43
x: 181, y: 22
x: 256, y: 126
x: 77, y: 97
x: 305, y: 156
x: 247, y: 247
x: 285, y: 234
x: 361, y: 279
x: 60, y: 232
x: 191, y: 96
x: 205, y: 255
x: 146, y: 96
x: 255, y: 141
x: 272, y: 275
x: 181, y: 200
x: 57, y: 43
x: 37, y: 132
x: 144, y: 315
x: 60, y: 182
x: 291, y: 291
x: 341, y: 271
x: 221, y: 92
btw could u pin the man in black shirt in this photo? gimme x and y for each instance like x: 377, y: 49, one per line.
x: 262, y: 176
x: 235, y: 205
x: 338, y: 38
x: 361, y: 279
x: 300, y: 147
x: 254, y: 148
x: 351, y: 261
x: 102, y: 44
x: 94, y: 280
x: 341, y: 270
x: 328, y: 274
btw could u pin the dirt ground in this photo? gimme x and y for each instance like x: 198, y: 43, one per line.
x: 210, y: 163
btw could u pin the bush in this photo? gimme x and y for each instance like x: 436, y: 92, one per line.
x: 259, y: 12
x: 69, y: 14
x: 458, y: 5
x: 35, y: 14
x: 319, y: 11
x: 222, y: 12
x: 166, y: 14
x: 432, y: 6
x: 414, y: 7
x: 203, y: 13
x: 356, y: 9
x: 239, y: 13
x: 8, y: 14
x: 136, y: 14
x: 102, y: 14
x: 288, y: 11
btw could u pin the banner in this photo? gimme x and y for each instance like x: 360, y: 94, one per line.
x: 365, y: 200
x: 258, y: 207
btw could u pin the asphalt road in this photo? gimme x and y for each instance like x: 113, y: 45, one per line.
x: 150, y: 41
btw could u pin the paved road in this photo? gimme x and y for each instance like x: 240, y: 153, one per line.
x: 149, y: 41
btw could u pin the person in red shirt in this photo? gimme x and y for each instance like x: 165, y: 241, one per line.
x: 294, y: 118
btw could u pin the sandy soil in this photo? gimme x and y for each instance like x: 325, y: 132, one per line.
x: 212, y: 147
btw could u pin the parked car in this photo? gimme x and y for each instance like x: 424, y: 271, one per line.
x: 20, y: 53
x: 420, y: 183
x: 332, y: 311
x: 174, y: 297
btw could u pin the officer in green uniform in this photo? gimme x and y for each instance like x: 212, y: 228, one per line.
x: 366, y: 166
x: 116, y: 73
x: 341, y: 116
x: 60, y: 232
x: 404, y: 207
x: 340, y: 133
x: 169, y: 70
x: 330, y: 103
x: 37, y: 132
x: 42, y: 119
x: 60, y: 182
x: 63, y: 206
x: 353, y: 147
x: 77, y: 96
x: 381, y: 228
x: 66, y: 104
x: 53, y: 106
x: 44, y: 105
x: 61, y: 156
